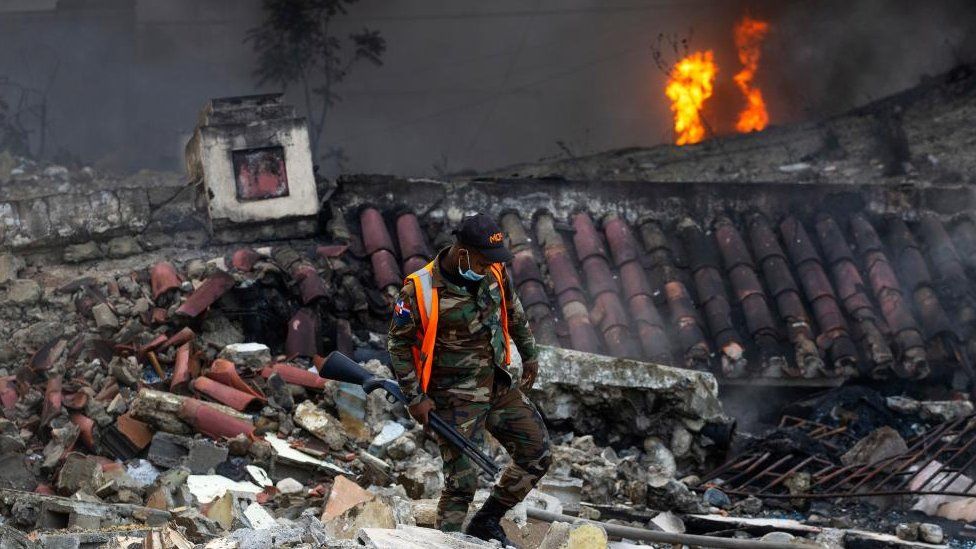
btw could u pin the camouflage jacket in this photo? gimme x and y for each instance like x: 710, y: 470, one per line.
x: 470, y: 341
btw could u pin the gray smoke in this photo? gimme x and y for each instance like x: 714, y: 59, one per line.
x: 465, y: 84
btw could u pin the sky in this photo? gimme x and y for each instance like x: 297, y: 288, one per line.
x: 464, y: 85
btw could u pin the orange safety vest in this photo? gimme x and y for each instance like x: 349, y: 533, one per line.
x: 428, y: 305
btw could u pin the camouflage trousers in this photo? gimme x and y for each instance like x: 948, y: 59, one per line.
x: 516, y: 423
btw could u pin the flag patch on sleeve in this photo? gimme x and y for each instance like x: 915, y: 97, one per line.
x: 401, y: 312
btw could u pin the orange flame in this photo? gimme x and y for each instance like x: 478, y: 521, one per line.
x: 689, y: 86
x: 749, y: 34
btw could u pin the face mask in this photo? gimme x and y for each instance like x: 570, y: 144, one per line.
x: 468, y: 273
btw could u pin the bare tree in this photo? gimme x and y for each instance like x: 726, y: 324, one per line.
x: 297, y: 44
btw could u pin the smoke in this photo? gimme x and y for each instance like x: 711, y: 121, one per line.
x: 465, y: 84
x: 822, y: 58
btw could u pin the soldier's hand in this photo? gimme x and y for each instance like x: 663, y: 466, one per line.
x: 420, y: 410
x: 530, y: 370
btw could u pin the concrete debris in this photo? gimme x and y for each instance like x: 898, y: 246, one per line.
x: 175, y: 396
x: 881, y: 444
x: 414, y: 537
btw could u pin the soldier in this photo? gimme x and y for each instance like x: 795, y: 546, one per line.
x: 450, y: 340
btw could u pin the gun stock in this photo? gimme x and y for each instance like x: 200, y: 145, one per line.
x: 340, y: 367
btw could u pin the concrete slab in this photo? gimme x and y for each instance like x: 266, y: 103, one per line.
x: 415, y: 537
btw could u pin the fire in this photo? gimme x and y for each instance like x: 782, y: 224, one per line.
x: 749, y: 34
x: 689, y: 86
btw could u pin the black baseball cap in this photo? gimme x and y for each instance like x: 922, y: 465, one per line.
x: 480, y: 232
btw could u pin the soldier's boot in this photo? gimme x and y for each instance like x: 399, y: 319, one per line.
x: 486, y: 525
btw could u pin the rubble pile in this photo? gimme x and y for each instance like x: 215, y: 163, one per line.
x: 852, y: 457
x: 183, y: 399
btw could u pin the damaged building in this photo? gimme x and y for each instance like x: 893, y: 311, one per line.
x: 741, y: 343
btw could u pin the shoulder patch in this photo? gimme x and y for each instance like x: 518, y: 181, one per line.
x: 401, y: 312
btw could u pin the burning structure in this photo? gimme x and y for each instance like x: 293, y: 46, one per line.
x: 161, y: 341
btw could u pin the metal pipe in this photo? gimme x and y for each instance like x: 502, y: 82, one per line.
x: 641, y: 534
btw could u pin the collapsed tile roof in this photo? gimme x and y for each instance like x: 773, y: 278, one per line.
x: 759, y: 281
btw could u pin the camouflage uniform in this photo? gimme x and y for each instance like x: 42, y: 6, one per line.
x: 471, y: 389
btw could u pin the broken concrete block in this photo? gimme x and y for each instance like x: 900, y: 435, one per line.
x: 368, y: 514
x: 416, y: 537
x: 567, y: 489
x: 880, y: 444
x: 930, y: 533
x: 23, y: 292
x: 423, y: 477
x: 223, y: 511
x: 104, y: 316
x: 206, y: 488
x: 198, y: 455
x: 945, y: 410
x: 562, y: 535
x: 253, y: 356
x: 344, y: 495
x: 79, y: 473
x: 77, y: 253
x: 123, y: 246
x: 390, y: 432
x: 290, y: 486
x: 351, y: 402
x: 10, y: 266
x: 321, y: 424
x: 662, y: 465
x: 907, y: 531
x: 259, y: 518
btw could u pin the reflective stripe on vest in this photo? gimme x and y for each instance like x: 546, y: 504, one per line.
x: 429, y: 305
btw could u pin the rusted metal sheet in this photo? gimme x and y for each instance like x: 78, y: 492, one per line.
x: 413, y: 244
x: 206, y: 295
x: 212, y: 422
x: 303, y: 334
x: 386, y: 271
x: 163, y: 277
x: 294, y: 375
x: 852, y: 292
x: 224, y: 394
x: 713, y: 300
x: 834, y: 339
x: 376, y: 237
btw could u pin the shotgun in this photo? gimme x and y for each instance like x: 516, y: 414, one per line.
x: 340, y: 367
